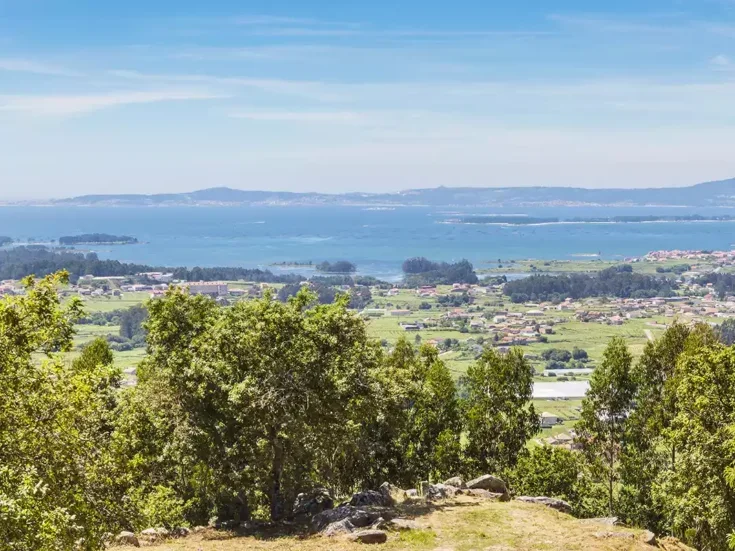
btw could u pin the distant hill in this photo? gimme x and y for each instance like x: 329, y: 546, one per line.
x: 709, y: 194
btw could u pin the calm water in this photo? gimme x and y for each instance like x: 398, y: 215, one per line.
x: 376, y: 240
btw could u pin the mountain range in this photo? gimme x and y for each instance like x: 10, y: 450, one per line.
x: 709, y: 194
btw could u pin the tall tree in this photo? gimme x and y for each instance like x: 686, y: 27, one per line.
x: 605, y: 412
x: 499, y: 415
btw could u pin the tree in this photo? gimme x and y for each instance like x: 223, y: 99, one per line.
x: 55, y: 423
x: 498, y: 414
x: 726, y: 331
x: 131, y: 321
x: 605, y: 411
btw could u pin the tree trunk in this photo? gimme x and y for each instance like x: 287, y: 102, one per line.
x: 276, y: 472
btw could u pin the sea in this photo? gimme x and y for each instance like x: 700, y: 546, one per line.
x: 377, y: 240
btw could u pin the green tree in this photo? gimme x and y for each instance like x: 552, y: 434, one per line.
x: 55, y: 418
x: 499, y: 418
x: 605, y: 410
x: 132, y: 320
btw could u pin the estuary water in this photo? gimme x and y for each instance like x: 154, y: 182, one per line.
x: 376, y: 240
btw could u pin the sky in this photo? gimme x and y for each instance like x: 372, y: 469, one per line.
x: 157, y: 96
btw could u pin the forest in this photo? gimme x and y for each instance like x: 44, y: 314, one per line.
x: 239, y: 408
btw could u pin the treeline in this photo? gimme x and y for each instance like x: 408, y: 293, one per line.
x: 421, y: 271
x: 616, y: 281
x: 20, y: 262
x: 131, y: 320
x: 5, y: 240
x: 96, y: 238
x: 338, y: 267
x: 722, y: 284
x: 236, y: 411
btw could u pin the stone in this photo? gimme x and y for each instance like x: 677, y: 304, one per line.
x: 339, y: 527
x: 648, y: 537
x: 127, y: 538
x: 180, y: 532
x: 455, y: 481
x: 400, y: 524
x: 393, y: 494
x: 488, y: 482
x: 557, y: 504
x: 154, y: 534
x: 620, y: 535
x: 357, y: 516
x: 412, y: 493
x: 608, y: 521
x: 371, y: 497
x: 440, y: 491
x: 485, y: 494
x: 369, y: 536
x: 313, y: 502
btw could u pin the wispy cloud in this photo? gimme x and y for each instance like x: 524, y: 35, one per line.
x: 722, y: 63
x: 338, y: 117
x: 18, y: 65
x: 80, y: 104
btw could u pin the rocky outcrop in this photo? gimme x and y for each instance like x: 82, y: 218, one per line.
x: 557, y: 504
x: 436, y: 492
x: 648, y: 537
x: 456, y: 482
x: 485, y: 494
x: 127, y: 538
x: 313, y: 502
x: 371, y: 497
x: 356, y: 517
x: 488, y: 482
x: 369, y: 536
x: 154, y: 534
x: 393, y: 494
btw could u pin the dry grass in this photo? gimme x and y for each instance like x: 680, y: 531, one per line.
x: 465, y: 525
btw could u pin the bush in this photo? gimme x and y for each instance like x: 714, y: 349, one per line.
x: 159, y: 507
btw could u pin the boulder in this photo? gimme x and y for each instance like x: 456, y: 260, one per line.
x: 339, y: 528
x: 412, y: 493
x: 369, y: 536
x: 488, y: 482
x: 127, y: 538
x: 557, y: 504
x: 647, y: 538
x: 371, y: 497
x: 484, y: 494
x: 607, y: 521
x: 313, y: 502
x: 393, y: 494
x: 440, y: 491
x: 154, y: 534
x: 456, y: 482
x: 180, y: 532
x: 358, y: 517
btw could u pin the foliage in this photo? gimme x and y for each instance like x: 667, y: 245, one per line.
x: 498, y: 415
x: 605, y: 411
x: 338, y: 267
x: 454, y: 300
x: 56, y: 491
x: 420, y: 271
x: 617, y: 281
x: 131, y: 321
x: 726, y: 332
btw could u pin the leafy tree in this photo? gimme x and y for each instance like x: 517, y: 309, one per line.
x: 131, y: 321
x: 605, y: 410
x: 55, y: 419
x: 498, y: 414
x: 726, y: 331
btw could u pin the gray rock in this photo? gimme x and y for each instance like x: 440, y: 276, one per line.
x: 393, y: 494
x: 455, y: 481
x: 154, y: 534
x: 440, y: 491
x: 127, y: 538
x: 338, y: 528
x: 557, y: 504
x: 607, y: 521
x: 488, y: 482
x: 180, y: 532
x: 371, y: 497
x: 313, y: 502
x: 412, y: 493
x: 358, y: 517
x: 369, y: 536
x: 648, y: 537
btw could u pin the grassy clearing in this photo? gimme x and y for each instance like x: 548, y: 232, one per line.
x: 463, y: 525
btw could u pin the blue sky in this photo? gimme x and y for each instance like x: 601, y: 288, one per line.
x: 159, y: 96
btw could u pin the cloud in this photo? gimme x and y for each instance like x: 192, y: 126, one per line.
x: 339, y: 117
x: 722, y: 63
x: 28, y: 66
x: 605, y: 23
x: 80, y: 104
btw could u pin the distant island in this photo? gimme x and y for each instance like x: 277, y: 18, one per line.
x: 5, y: 240
x: 530, y: 220
x: 97, y: 239
x: 339, y: 267
x: 709, y: 194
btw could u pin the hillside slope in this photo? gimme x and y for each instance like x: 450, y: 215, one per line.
x: 463, y: 524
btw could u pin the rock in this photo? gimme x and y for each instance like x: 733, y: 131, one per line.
x: 369, y: 536
x: 338, y: 528
x: 412, y: 493
x: 621, y: 535
x: 484, y: 494
x: 440, y: 491
x: 313, y: 502
x: 358, y: 517
x: 608, y: 521
x: 455, y: 481
x: 127, y: 538
x: 399, y: 524
x: 647, y: 537
x: 154, y: 534
x: 488, y: 482
x: 393, y: 494
x: 180, y: 532
x: 558, y: 504
x: 371, y: 497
